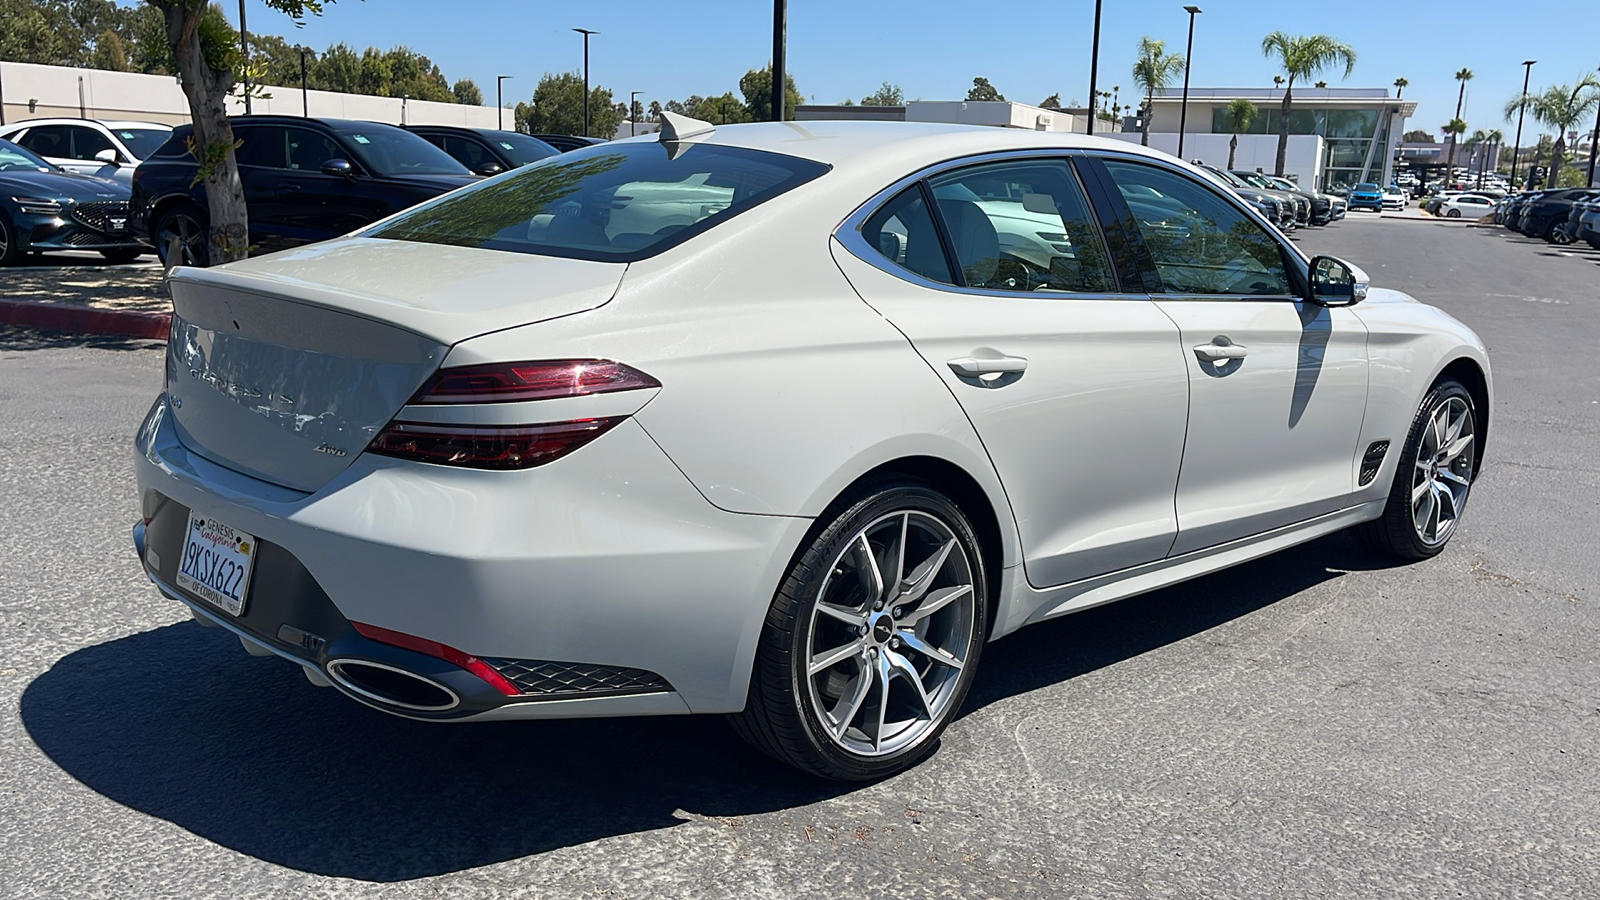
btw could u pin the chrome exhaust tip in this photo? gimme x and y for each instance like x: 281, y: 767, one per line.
x: 387, y: 686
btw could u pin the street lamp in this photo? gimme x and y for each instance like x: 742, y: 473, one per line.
x: 1188, y: 63
x: 1594, y: 145
x: 305, y: 93
x: 633, y: 118
x: 244, y: 50
x: 500, y: 103
x: 780, y: 78
x: 1522, y: 108
x: 1094, y: 65
x: 585, y: 32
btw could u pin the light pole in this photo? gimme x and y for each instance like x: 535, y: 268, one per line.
x: 585, y: 32
x: 500, y: 103
x: 305, y: 94
x: 780, y: 28
x: 633, y: 118
x: 1094, y: 65
x: 1522, y: 109
x: 1188, y: 63
x: 1594, y: 145
x: 244, y: 50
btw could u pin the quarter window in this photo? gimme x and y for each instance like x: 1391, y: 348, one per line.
x: 903, y: 231
x: 1201, y: 243
x: 1022, y: 226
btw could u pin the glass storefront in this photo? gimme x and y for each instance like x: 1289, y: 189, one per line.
x: 1347, y: 133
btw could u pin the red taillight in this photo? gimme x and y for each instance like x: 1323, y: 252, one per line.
x: 542, y: 380
x: 438, y: 651
x: 488, y: 446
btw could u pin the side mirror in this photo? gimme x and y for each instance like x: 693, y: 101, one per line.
x: 107, y: 156
x: 1335, y: 282
x: 339, y: 167
x: 489, y: 167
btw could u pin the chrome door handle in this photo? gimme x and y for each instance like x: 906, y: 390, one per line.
x: 972, y: 367
x: 1214, y: 352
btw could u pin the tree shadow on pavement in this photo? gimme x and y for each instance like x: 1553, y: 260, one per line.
x: 19, y: 338
x: 180, y: 724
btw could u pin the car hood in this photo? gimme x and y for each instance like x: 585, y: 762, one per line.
x: 62, y: 184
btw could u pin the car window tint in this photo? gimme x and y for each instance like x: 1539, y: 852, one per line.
x: 465, y: 151
x: 261, y: 146
x: 903, y: 231
x: 86, y: 142
x: 612, y: 203
x: 1201, y: 243
x: 308, y: 150
x: 48, y: 140
x: 1022, y: 226
x: 386, y: 150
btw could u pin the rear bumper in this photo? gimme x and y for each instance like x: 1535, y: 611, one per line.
x: 603, y: 561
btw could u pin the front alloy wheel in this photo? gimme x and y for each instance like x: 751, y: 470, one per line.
x: 873, y: 639
x: 1432, y: 479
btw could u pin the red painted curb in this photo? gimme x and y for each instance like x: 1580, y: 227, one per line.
x: 132, y: 323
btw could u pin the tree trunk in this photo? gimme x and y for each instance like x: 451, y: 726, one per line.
x: 1283, y: 127
x: 1555, y: 161
x: 1149, y: 113
x: 1233, y: 145
x: 207, y: 92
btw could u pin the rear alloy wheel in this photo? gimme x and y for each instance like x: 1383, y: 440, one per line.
x: 1453, y: 214
x: 873, y: 639
x: 11, y: 251
x: 188, y: 224
x: 1433, y: 479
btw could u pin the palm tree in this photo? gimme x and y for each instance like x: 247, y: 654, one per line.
x: 1241, y: 114
x: 1496, y: 139
x: 1154, y: 71
x: 1478, y: 139
x: 1453, y: 128
x: 1563, y: 108
x: 1463, y: 76
x: 1400, y: 87
x: 1302, y: 57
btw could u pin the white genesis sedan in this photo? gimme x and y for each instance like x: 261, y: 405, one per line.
x: 780, y: 421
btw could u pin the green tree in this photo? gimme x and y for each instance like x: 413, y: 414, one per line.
x: 205, y: 51
x: 557, y: 108
x: 110, y: 52
x: 756, y: 86
x: 983, y: 90
x: 1154, y: 70
x: 1463, y: 76
x: 1051, y: 102
x: 886, y: 95
x: 1302, y: 57
x: 1563, y: 108
x: 467, y: 91
x: 1400, y: 87
x: 1417, y: 136
x: 1241, y: 114
x: 1452, y: 130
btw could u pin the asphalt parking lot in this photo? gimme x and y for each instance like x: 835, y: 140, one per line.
x: 1315, y: 724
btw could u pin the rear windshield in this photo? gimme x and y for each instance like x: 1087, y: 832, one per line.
x: 613, y: 203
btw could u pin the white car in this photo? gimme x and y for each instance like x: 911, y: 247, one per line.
x: 1394, y: 198
x: 1472, y: 206
x: 90, y: 146
x: 538, y: 448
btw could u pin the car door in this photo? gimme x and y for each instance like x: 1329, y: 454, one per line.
x: 1075, y: 386
x: 54, y: 143
x: 1277, y: 385
x: 263, y: 159
x: 87, y: 142
x: 325, y: 206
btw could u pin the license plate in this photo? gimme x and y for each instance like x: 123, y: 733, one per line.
x: 216, y: 562
x: 118, y: 224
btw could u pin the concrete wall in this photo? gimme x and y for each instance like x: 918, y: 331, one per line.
x: 1255, y: 151
x: 996, y: 113
x: 31, y: 91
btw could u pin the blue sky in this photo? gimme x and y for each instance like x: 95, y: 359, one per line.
x: 1029, y: 49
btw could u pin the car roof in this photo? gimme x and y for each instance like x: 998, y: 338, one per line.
x: 871, y: 144
x: 108, y: 123
x: 335, y: 124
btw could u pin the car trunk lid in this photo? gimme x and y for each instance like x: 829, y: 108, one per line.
x: 286, y: 367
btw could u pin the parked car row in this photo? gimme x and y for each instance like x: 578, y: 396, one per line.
x: 122, y: 187
x: 1281, y: 201
x: 1559, y: 216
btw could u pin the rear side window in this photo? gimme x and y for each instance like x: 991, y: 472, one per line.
x: 614, y: 203
x: 903, y: 231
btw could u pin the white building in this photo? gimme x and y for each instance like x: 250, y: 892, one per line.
x: 995, y: 113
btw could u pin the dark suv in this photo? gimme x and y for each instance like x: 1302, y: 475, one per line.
x: 304, y: 180
x: 485, y: 150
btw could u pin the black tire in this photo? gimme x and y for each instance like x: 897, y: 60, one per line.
x: 192, y: 226
x: 119, y: 257
x: 11, y: 251
x: 1453, y: 214
x: 781, y: 715
x: 1395, y: 533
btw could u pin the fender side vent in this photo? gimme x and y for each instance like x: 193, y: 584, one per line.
x: 1372, y: 461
